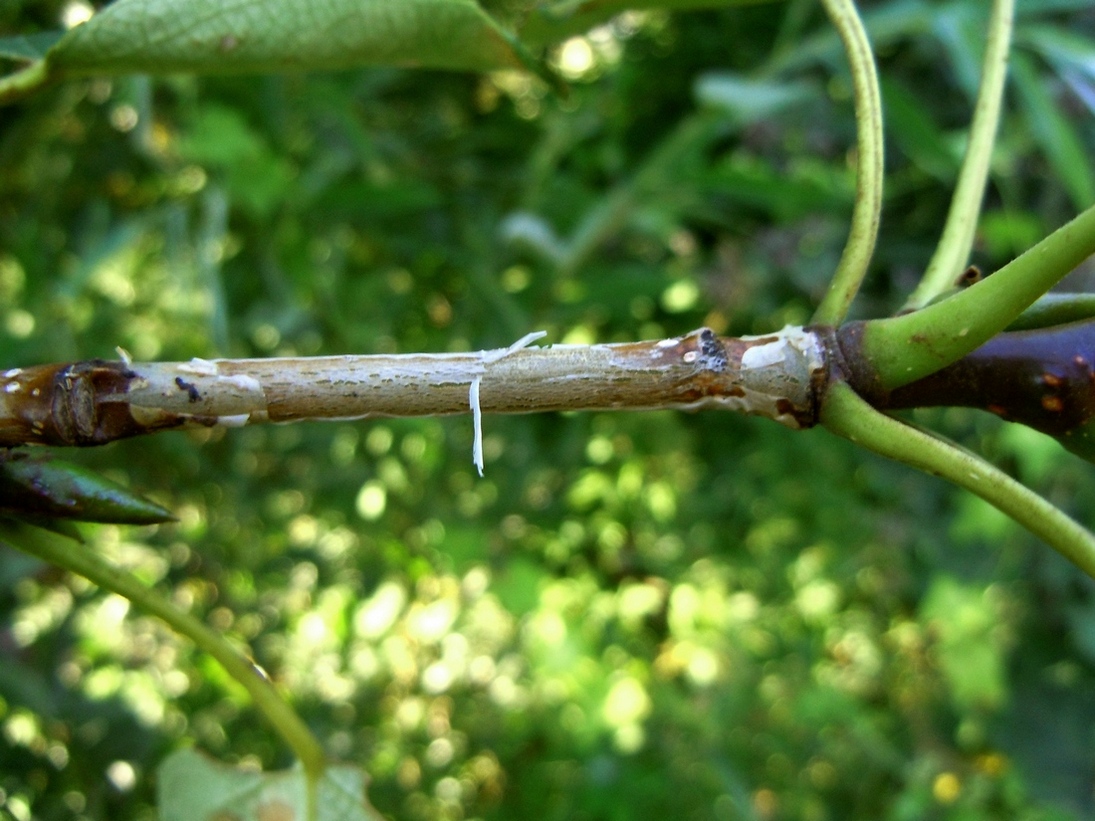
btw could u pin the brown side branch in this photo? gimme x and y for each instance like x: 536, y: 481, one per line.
x: 1043, y: 378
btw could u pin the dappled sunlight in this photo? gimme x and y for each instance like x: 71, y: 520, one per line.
x: 639, y: 615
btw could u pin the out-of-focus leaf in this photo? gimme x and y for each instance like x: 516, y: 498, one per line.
x: 1007, y: 232
x: 1036, y: 8
x: 256, y: 178
x: 194, y: 788
x: 1037, y: 459
x: 805, y: 188
x: 911, y: 126
x: 890, y: 22
x: 1082, y: 84
x: 1059, y: 45
x: 29, y: 46
x: 1071, y: 54
x: 266, y: 36
x: 533, y: 234
x: 551, y: 22
x: 960, y: 28
x: 963, y: 619
x: 364, y: 199
x: 14, y: 568
x: 885, y: 24
x: 519, y: 585
x: 661, y: 172
x: 1055, y: 135
x: 48, y: 488
x: 748, y: 99
x: 1080, y: 441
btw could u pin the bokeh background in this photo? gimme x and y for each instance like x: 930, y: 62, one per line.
x: 632, y: 616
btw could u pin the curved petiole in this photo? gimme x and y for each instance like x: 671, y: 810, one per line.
x: 80, y: 560
x: 953, y: 251
x: 847, y: 414
x: 869, y: 170
x: 901, y: 349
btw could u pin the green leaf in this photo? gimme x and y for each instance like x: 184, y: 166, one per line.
x: 965, y: 623
x: 551, y: 22
x: 1059, y: 46
x: 787, y: 193
x: 749, y: 100
x: 1080, y: 442
x: 1043, y: 8
x: 886, y: 24
x: 193, y: 787
x: 273, y: 36
x: 1004, y: 233
x: 51, y: 489
x: 960, y: 30
x: 29, y: 46
x: 1055, y: 135
x: 910, y: 124
x: 256, y: 178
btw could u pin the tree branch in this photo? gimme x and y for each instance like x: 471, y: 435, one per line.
x: 97, y: 401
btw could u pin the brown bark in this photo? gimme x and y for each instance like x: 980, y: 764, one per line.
x: 97, y: 401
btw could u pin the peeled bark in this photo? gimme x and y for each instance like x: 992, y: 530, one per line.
x: 779, y: 376
x: 1042, y: 378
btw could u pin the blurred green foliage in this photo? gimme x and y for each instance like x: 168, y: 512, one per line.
x: 632, y: 616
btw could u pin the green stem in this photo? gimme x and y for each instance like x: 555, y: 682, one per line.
x: 869, y: 171
x: 80, y: 560
x: 902, y: 349
x: 23, y: 82
x: 953, y: 251
x: 848, y: 415
x: 1055, y: 309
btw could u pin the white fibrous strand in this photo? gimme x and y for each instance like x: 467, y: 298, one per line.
x: 477, y: 425
x: 523, y: 342
x: 489, y: 357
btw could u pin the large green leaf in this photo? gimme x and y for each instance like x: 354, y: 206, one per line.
x: 266, y: 36
x: 192, y: 787
x: 28, y: 46
x: 1055, y: 134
